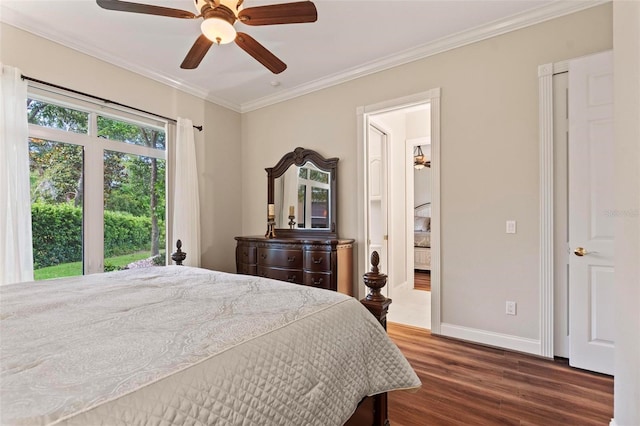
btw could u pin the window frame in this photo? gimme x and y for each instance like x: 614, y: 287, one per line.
x: 309, y: 184
x: 93, y: 161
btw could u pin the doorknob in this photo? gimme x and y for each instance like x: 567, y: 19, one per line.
x: 580, y: 251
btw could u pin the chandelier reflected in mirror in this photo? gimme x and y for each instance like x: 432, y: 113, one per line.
x: 419, y: 159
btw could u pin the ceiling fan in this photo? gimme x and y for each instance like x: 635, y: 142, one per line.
x: 218, y: 24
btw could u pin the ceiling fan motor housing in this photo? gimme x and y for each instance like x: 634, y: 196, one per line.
x: 221, y: 12
x: 232, y: 5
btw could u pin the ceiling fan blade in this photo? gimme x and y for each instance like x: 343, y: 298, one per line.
x: 196, y: 53
x: 260, y: 53
x: 284, y: 13
x: 148, y: 9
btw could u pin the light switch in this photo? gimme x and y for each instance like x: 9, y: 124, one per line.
x: 511, y: 227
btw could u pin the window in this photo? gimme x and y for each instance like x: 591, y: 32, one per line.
x: 313, y: 209
x: 97, y: 187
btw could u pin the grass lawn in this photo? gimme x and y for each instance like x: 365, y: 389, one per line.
x: 75, y: 268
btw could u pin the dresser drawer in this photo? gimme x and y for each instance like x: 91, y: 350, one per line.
x: 246, y: 254
x: 317, y: 261
x: 280, y: 257
x: 318, y: 279
x: 289, y: 275
x: 247, y: 269
x: 314, y: 261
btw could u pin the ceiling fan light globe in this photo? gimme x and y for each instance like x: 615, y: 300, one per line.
x: 218, y: 30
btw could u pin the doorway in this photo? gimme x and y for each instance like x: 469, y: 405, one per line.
x: 404, y: 122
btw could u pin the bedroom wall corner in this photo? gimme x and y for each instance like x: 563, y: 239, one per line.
x: 221, y: 182
x: 626, y: 39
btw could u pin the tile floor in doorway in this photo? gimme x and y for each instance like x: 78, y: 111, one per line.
x: 410, y: 307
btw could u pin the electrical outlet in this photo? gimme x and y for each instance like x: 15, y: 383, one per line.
x: 511, y: 308
x: 511, y: 227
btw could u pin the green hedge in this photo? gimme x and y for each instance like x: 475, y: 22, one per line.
x: 57, y: 234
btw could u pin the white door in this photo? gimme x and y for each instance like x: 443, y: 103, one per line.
x: 591, y: 292
x: 377, y: 195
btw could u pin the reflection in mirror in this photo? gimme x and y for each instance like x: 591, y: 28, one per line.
x: 303, y: 197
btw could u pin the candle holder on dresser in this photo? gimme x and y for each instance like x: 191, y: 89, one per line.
x: 271, y: 228
x: 271, y: 221
x: 292, y: 223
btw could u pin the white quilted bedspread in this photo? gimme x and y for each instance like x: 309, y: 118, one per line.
x: 187, y: 346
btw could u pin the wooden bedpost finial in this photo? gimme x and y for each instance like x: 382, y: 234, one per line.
x: 178, y: 256
x: 375, y: 261
x: 375, y: 301
x: 374, y: 280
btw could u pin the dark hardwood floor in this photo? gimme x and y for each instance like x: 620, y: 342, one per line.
x: 468, y: 384
x: 422, y: 280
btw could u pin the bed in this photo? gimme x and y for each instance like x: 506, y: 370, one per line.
x: 422, y: 237
x: 177, y: 345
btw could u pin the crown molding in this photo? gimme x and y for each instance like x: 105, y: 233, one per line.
x: 9, y: 16
x: 544, y: 13
x: 516, y: 22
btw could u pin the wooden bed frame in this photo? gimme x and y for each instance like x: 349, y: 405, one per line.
x: 372, y: 410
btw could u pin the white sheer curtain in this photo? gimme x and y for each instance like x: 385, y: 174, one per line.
x: 186, y: 201
x: 16, y: 256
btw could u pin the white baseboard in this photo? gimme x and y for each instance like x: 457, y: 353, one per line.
x: 504, y: 341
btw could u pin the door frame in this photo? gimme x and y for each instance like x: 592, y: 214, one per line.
x: 547, y: 208
x: 362, y: 263
x: 386, y: 266
x: 549, y: 252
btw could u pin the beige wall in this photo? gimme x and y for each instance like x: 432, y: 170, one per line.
x: 626, y: 35
x: 218, y: 146
x: 418, y: 124
x: 489, y: 134
x: 220, y: 217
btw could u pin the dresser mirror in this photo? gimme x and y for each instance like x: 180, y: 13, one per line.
x: 302, y: 188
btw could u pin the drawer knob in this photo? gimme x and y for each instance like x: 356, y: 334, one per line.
x: 264, y: 256
x: 291, y: 278
x: 291, y: 259
x: 316, y: 260
x: 317, y: 281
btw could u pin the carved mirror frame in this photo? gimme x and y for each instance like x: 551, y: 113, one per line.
x: 299, y: 157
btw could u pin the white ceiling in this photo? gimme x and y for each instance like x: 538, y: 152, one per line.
x: 351, y: 38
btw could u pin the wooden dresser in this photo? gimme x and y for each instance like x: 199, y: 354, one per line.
x: 323, y: 263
